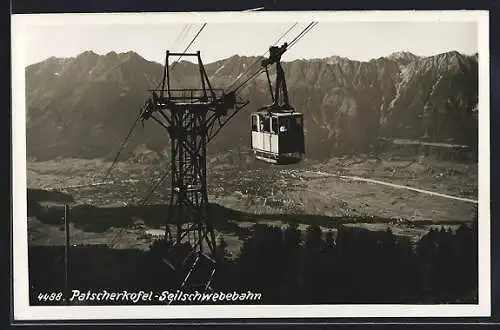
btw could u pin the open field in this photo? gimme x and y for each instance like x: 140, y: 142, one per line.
x: 303, y: 190
x: 275, y: 195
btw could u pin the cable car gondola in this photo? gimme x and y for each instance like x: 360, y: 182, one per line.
x: 277, y: 129
x: 277, y: 137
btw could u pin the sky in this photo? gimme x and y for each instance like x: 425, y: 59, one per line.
x: 354, y: 40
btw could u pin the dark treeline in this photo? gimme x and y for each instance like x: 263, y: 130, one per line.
x: 288, y: 267
x: 359, y: 266
x: 97, y: 219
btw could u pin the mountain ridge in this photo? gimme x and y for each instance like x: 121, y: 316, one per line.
x: 82, y: 106
x: 394, y: 55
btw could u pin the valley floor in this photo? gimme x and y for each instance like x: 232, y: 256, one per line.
x: 322, y: 189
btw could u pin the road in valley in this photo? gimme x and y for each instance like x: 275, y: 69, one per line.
x: 393, y: 185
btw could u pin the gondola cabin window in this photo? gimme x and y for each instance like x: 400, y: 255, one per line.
x: 255, y: 123
x: 278, y: 137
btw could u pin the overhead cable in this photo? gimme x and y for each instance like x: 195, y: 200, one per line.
x: 258, y: 58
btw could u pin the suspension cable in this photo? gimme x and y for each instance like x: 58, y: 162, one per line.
x: 134, y: 125
x: 189, y: 45
x: 142, y: 203
x: 145, y: 200
x: 256, y: 73
x: 302, y: 34
x: 293, y: 42
x: 258, y: 58
x: 165, y: 175
x: 185, y: 30
x: 152, y: 190
x: 283, y: 35
x: 124, y: 143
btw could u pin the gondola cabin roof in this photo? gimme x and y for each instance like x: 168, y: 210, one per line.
x: 277, y: 113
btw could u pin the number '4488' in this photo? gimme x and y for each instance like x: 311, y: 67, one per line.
x: 50, y: 297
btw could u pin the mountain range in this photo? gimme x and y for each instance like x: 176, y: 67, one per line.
x: 83, y: 106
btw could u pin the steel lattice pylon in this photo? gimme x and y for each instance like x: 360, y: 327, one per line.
x: 192, y: 117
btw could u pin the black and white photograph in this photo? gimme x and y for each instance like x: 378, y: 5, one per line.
x: 251, y: 165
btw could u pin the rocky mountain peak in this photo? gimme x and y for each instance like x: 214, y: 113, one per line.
x: 83, y: 106
x: 403, y: 57
x: 87, y: 53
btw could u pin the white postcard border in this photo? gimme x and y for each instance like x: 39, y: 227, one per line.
x: 24, y: 312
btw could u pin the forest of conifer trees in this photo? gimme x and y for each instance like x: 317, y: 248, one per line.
x: 356, y: 266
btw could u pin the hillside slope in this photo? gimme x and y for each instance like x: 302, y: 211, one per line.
x: 84, y: 106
